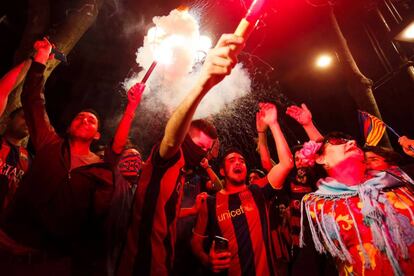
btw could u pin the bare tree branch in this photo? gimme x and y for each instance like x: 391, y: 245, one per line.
x: 64, y: 36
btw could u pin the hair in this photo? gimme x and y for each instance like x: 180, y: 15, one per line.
x: 296, y: 148
x: 227, y: 152
x: 131, y: 145
x: 14, y: 113
x: 206, y: 127
x: 89, y: 110
x: 390, y: 156
x: 258, y: 171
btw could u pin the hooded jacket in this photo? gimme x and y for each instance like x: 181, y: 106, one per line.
x: 57, y: 210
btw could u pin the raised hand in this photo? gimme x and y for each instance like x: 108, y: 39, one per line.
x: 135, y: 94
x: 43, y: 48
x: 301, y: 114
x: 267, y: 114
x: 407, y: 145
x: 204, y: 163
x: 200, y: 200
x: 261, y: 126
x: 221, y: 59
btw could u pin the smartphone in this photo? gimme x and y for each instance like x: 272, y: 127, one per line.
x: 221, y: 244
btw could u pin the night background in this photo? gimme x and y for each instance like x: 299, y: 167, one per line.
x: 280, y: 57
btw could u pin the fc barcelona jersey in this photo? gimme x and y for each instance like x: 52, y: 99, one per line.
x: 151, y: 235
x: 14, y: 162
x: 242, y: 218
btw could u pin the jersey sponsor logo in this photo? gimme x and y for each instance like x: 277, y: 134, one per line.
x: 228, y: 214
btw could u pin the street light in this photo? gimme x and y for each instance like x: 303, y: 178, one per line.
x: 407, y: 34
x: 323, y: 61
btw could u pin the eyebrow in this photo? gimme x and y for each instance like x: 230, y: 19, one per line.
x: 87, y: 115
x: 234, y: 157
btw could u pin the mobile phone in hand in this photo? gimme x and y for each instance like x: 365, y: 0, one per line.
x: 221, y: 244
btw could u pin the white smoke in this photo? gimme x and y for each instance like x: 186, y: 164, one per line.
x: 170, y: 83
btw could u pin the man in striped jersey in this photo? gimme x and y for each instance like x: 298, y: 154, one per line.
x: 239, y: 211
x: 149, y: 249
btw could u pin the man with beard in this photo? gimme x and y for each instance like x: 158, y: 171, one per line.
x: 14, y: 158
x: 54, y: 225
x: 151, y: 236
x: 239, y: 212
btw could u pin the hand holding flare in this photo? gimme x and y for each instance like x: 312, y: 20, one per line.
x: 248, y: 23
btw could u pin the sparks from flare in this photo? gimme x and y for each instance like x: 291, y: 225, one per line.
x: 164, y: 45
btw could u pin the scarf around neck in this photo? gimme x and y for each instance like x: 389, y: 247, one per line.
x: 387, y: 233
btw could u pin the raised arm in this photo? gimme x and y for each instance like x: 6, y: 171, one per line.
x: 262, y: 146
x: 217, y: 65
x: 11, y: 80
x: 32, y: 98
x: 200, y: 199
x: 121, y: 134
x: 279, y: 172
x: 304, y: 117
x: 215, y: 180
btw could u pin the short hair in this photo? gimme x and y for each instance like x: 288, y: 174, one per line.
x: 14, y: 113
x: 206, y: 127
x: 228, y: 152
x: 390, y: 156
x: 89, y: 110
x: 296, y: 148
x: 258, y: 172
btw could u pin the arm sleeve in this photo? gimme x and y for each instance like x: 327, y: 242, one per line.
x: 110, y: 156
x: 33, y: 101
x: 158, y: 161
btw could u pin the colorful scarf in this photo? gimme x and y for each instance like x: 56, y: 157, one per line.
x: 387, y: 233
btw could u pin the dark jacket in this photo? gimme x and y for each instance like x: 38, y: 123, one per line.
x: 57, y: 210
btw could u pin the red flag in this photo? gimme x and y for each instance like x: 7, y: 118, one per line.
x: 372, y: 128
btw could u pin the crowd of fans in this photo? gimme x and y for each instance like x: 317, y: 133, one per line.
x: 326, y: 207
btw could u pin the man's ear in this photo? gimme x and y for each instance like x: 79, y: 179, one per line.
x: 97, y: 136
x: 222, y: 172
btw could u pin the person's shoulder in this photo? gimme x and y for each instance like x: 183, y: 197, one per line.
x: 94, y: 158
x: 158, y: 161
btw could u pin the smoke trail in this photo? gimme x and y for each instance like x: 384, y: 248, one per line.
x: 169, y: 84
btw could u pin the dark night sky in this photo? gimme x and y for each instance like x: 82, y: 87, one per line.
x: 287, y: 40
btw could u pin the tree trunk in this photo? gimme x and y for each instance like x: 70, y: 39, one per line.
x: 38, y: 22
x: 64, y: 36
x: 359, y: 86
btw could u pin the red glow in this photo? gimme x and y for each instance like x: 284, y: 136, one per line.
x: 255, y: 10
